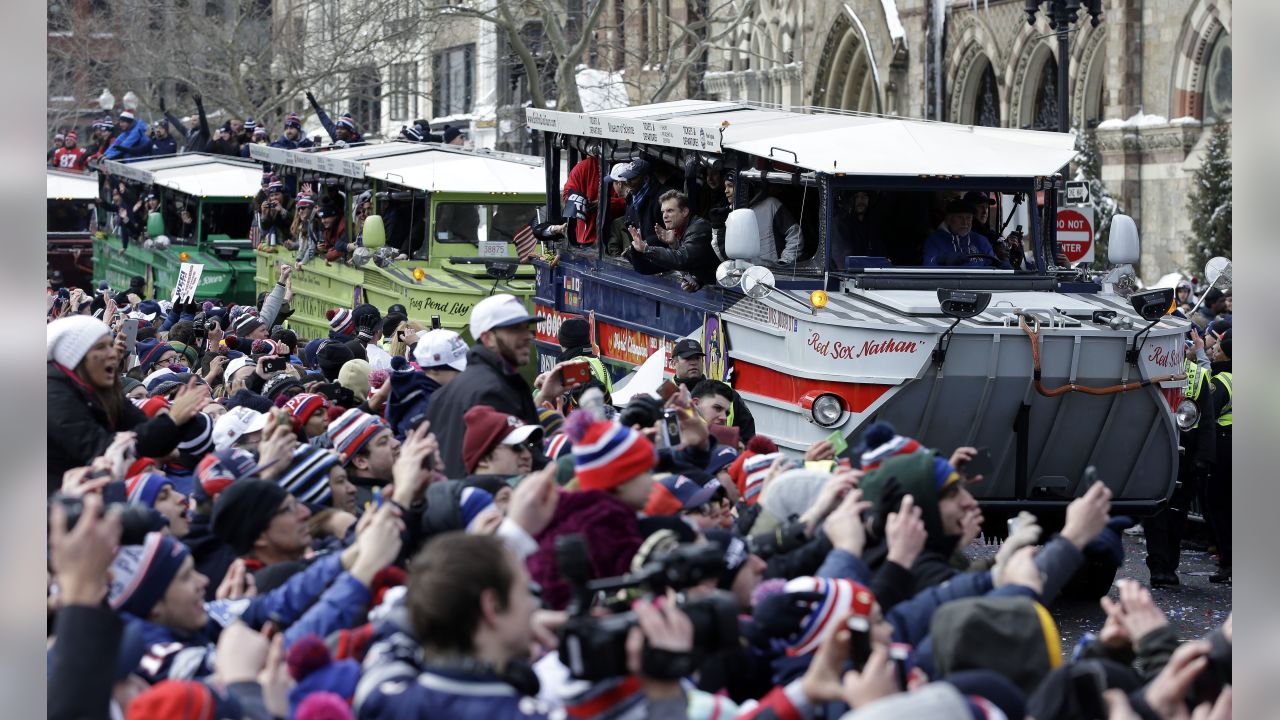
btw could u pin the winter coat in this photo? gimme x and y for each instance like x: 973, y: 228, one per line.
x: 694, y: 254
x: 742, y: 417
x: 584, y: 179
x: 411, y: 393
x: 285, y: 143
x: 80, y: 675
x: 78, y: 429
x: 164, y: 146
x: 611, y: 533
x: 321, y: 599
x: 131, y: 144
x: 645, y: 211
x: 488, y: 380
x: 944, y: 248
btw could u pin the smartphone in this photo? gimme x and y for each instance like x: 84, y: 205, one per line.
x: 130, y: 330
x: 671, y: 427
x: 274, y: 364
x: 859, y: 642
x: 838, y: 442
x: 435, y: 322
x: 579, y: 372
x: 903, y: 660
x: 980, y: 464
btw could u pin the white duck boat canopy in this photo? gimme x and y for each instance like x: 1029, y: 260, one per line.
x: 420, y: 166
x: 829, y: 143
x: 61, y: 185
x: 196, y: 174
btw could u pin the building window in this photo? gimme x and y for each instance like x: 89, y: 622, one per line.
x: 986, y: 105
x: 366, y: 100
x: 404, y: 91
x: 1045, y: 108
x: 451, y: 81
x: 1218, y: 85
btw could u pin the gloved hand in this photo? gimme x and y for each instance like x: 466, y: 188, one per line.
x: 717, y: 217
x: 163, y: 109
x: 311, y: 98
x: 1028, y: 533
x: 366, y: 327
x: 781, y: 614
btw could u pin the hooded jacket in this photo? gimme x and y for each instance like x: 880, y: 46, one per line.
x: 945, y: 248
x: 411, y: 393
x: 1014, y: 636
x: 78, y: 428
x: 132, y: 143
x: 488, y: 380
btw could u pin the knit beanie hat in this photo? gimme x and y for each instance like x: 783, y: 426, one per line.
x: 69, y: 338
x: 151, y: 406
x: 293, y: 121
x: 341, y: 321
x: 315, y: 671
x: 302, y: 406
x: 331, y: 357
x: 574, y: 332
x: 307, y: 477
x: 280, y: 385
x: 748, y: 473
x: 840, y: 596
x: 193, y: 358
x: 352, y: 431
x: 220, y: 468
x: 472, y: 504
x: 247, y: 398
x: 881, y: 442
x: 1014, y: 636
x: 354, y: 376
x: 605, y: 453
x: 721, y: 457
x: 552, y: 422
x: 246, y: 324
x: 558, y: 447
x: 148, y: 352
x: 323, y: 705
x: 309, y: 353
x: 186, y: 699
x: 792, y: 492
x: 244, y: 511
x: 140, y: 574
x: 143, y: 489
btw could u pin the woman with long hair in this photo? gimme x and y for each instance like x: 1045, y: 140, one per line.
x: 87, y: 404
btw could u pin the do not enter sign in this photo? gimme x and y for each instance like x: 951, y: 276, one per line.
x: 1075, y: 234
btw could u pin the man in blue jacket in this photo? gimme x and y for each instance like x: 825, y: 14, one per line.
x: 156, y: 584
x: 133, y: 140
x: 292, y: 138
x: 956, y: 244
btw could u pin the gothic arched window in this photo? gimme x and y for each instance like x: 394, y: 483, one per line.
x: 1045, y: 115
x: 986, y: 104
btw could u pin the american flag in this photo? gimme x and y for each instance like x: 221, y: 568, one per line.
x: 525, y: 242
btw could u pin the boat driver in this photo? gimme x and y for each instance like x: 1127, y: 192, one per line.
x: 956, y: 244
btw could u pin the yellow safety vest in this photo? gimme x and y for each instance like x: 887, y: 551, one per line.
x: 1196, y: 378
x: 601, y: 373
x: 1224, y: 415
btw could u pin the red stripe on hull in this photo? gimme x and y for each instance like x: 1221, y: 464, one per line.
x: 760, y: 380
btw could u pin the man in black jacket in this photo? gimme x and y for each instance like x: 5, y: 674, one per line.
x: 503, y: 329
x: 689, y: 358
x: 687, y: 238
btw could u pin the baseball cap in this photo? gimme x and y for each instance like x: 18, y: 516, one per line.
x: 220, y: 468
x: 629, y: 171
x: 496, y: 311
x: 674, y: 493
x: 441, y: 348
x: 486, y: 428
x: 688, y: 348
x: 235, y: 424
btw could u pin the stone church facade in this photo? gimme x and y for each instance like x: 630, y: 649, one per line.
x: 1150, y: 81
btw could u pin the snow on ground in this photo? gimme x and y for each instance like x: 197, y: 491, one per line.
x: 599, y: 90
x: 1137, y: 120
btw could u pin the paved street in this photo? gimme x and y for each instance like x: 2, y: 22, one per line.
x: 1195, y: 607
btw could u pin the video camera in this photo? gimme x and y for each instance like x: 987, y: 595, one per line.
x: 595, y: 648
x: 135, y: 520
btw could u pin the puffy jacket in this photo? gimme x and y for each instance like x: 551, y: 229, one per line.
x: 488, y: 380
x: 78, y: 429
x: 184, y: 655
x: 411, y: 393
x: 132, y: 143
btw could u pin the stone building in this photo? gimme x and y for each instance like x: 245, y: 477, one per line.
x: 1149, y: 80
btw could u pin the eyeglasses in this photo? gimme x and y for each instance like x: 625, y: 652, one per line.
x: 290, y: 506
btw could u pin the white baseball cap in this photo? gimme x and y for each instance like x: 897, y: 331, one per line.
x: 441, y: 348
x: 235, y: 424
x: 495, y: 311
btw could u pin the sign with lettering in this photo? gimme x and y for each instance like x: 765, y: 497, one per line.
x: 648, y: 132
x: 184, y: 290
x: 1075, y: 233
x: 548, y: 331
x: 837, y: 350
x: 1077, y: 192
x: 632, y: 347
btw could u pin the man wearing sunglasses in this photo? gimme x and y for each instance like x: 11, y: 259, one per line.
x: 496, y: 447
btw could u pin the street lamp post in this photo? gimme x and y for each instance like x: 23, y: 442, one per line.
x: 1061, y: 13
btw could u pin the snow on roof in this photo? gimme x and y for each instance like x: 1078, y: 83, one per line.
x: 601, y: 90
x: 70, y: 186
x: 1137, y: 120
x: 436, y: 169
x: 891, y: 19
x: 826, y: 142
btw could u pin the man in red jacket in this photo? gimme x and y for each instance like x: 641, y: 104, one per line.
x: 70, y: 156
x: 582, y: 198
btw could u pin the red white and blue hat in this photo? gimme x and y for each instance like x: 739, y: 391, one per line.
x: 839, y: 598
x: 605, y: 453
x: 144, y: 488
x: 140, y: 574
x: 347, y: 122
x: 352, y: 431
x: 307, y: 477
x: 341, y: 321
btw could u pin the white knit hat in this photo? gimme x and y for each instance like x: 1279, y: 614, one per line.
x: 69, y: 338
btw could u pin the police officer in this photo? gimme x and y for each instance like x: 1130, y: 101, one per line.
x: 1217, y: 491
x: 575, y: 343
x: 1164, y: 530
x: 688, y: 360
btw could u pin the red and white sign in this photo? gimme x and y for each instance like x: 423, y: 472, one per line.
x: 631, y: 346
x: 1075, y: 234
x: 548, y: 331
